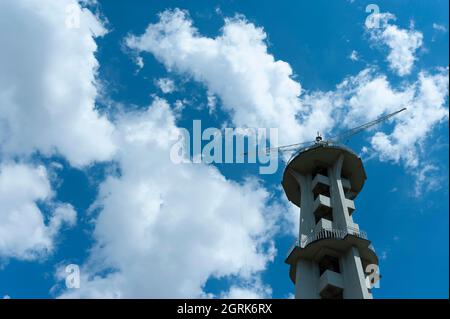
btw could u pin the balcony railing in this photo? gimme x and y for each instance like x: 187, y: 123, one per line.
x: 326, y: 234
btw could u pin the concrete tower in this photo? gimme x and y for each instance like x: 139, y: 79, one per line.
x: 330, y: 257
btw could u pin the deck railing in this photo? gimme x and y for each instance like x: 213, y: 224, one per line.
x: 326, y: 234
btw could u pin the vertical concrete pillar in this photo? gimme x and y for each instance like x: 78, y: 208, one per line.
x: 341, y: 216
x: 306, y: 271
x: 307, y: 220
x: 307, y: 279
x: 354, y: 277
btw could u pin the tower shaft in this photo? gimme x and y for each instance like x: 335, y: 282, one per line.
x: 331, y: 254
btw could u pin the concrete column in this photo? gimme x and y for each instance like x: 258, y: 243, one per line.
x: 341, y: 217
x: 307, y: 220
x: 306, y: 277
x: 354, y: 277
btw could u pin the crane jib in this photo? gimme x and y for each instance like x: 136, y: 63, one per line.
x: 338, y: 138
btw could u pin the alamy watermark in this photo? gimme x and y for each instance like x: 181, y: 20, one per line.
x: 373, y: 276
x: 373, y: 19
x: 227, y: 145
x: 73, y: 276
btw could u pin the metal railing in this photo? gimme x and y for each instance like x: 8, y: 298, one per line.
x: 326, y: 234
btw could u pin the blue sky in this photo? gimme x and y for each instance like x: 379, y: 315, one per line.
x: 83, y: 165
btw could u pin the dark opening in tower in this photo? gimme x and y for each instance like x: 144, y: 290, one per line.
x: 329, y: 263
x: 323, y: 211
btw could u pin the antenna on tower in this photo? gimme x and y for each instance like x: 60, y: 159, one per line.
x: 318, y: 138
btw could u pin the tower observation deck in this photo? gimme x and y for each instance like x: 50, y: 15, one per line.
x: 330, y: 257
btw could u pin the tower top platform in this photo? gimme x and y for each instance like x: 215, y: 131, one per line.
x: 319, y: 157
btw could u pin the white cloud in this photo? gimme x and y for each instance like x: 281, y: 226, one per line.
x: 178, y: 107
x: 426, y: 109
x: 402, y: 43
x: 24, y: 234
x: 428, y: 177
x: 354, y: 56
x: 157, y: 235
x: 256, y: 89
x: 48, y: 82
x: 166, y: 85
x: 369, y: 95
x: 139, y: 62
x: 63, y: 214
x: 163, y: 236
x: 439, y: 27
x: 251, y: 290
x: 259, y: 91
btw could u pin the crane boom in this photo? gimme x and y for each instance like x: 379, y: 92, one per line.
x: 338, y: 138
x: 282, y: 148
x: 363, y: 127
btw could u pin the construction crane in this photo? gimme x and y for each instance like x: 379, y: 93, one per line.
x: 334, y: 140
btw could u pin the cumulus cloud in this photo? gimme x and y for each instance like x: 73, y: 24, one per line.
x: 354, y: 56
x: 166, y: 85
x: 369, y: 95
x: 427, y: 178
x: 48, y: 82
x: 258, y: 90
x: 439, y: 27
x: 156, y: 235
x: 24, y: 233
x: 255, y: 88
x: 402, y: 43
x: 161, y: 237
x: 252, y: 290
x: 426, y: 109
